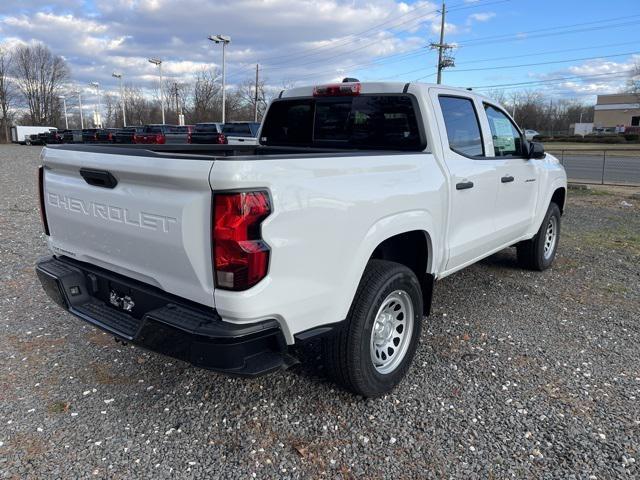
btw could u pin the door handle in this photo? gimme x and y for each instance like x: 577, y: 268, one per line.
x: 464, y: 185
x: 507, y: 179
x: 98, y: 178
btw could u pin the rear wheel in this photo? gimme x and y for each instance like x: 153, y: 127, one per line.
x: 374, y: 350
x: 539, y: 252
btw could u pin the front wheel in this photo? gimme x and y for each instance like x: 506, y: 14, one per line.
x: 539, y: 252
x: 374, y: 350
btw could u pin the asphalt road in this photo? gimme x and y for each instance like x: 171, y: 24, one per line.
x: 518, y: 375
x: 588, y: 167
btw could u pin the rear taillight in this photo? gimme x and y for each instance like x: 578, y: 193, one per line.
x: 160, y: 139
x: 110, y: 137
x: 189, y: 137
x: 337, y: 90
x: 43, y: 212
x: 240, y: 256
x: 134, y: 139
x: 222, y: 140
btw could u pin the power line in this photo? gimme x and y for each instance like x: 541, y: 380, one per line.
x: 525, y: 35
x: 468, y: 43
x: 618, y: 74
x: 499, y: 67
x: 549, y: 29
x: 549, y: 52
x: 285, y: 65
x: 305, y: 53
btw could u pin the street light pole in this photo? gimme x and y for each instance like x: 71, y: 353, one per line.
x: 64, y: 105
x: 158, y: 63
x: 124, y: 114
x: 224, y: 40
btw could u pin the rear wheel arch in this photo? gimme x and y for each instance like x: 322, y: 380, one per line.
x: 412, y: 249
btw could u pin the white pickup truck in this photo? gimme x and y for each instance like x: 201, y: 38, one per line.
x: 359, y: 197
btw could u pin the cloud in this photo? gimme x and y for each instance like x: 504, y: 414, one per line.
x: 303, y: 42
x: 480, y: 17
x: 600, y: 77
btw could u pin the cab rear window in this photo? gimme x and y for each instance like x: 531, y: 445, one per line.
x: 366, y: 121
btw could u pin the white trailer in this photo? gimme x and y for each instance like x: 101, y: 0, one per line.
x: 20, y: 133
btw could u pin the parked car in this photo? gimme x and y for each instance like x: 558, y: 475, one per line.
x: 178, y: 134
x: 89, y: 135
x: 359, y: 197
x: 106, y: 135
x: 125, y: 135
x: 22, y: 133
x: 152, y: 134
x: 72, y: 136
x: 50, y: 137
x: 210, y: 133
x: 531, y: 134
x: 35, y: 139
x: 241, y: 133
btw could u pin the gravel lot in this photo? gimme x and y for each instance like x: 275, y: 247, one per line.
x: 519, y: 375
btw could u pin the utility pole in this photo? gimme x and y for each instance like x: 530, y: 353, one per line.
x: 255, y: 105
x: 178, y: 112
x: 445, y: 60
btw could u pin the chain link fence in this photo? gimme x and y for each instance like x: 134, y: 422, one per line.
x: 601, y: 166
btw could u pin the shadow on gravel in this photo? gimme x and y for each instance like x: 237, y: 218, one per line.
x: 503, y: 259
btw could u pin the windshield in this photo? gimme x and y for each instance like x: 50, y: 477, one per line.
x: 366, y: 121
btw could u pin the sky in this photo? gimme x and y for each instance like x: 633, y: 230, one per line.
x: 564, y: 48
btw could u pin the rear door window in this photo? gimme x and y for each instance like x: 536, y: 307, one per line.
x: 237, y: 129
x: 463, y: 126
x: 207, y: 128
x: 366, y: 121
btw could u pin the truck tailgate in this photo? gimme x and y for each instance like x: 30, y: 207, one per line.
x: 153, y: 226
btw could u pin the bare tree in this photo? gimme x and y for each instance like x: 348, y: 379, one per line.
x: 110, y: 109
x: 138, y: 108
x: 247, y: 93
x: 40, y: 76
x: 206, y: 97
x: 7, y: 91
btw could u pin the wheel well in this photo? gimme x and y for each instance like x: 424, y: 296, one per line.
x: 559, y: 197
x: 410, y: 249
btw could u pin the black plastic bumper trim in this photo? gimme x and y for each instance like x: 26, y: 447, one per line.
x: 182, y: 330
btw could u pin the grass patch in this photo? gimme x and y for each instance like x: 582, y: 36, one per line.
x: 590, y: 192
x: 59, y: 407
x: 616, y: 288
x: 621, y: 238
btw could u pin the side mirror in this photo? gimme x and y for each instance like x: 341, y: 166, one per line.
x: 536, y: 151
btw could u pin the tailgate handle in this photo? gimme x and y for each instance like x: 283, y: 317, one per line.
x: 98, y: 178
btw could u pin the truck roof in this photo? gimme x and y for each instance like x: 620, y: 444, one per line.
x: 380, y: 87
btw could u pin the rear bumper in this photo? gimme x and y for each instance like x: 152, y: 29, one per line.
x: 161, y: 322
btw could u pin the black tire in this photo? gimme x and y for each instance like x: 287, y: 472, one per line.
x: 347, y: 354
x: 531, y: 253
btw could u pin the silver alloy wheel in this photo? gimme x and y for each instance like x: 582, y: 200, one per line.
x: 391, y: 332
x: 550, y: 238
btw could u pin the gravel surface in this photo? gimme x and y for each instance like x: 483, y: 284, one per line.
x: 518, y: 375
